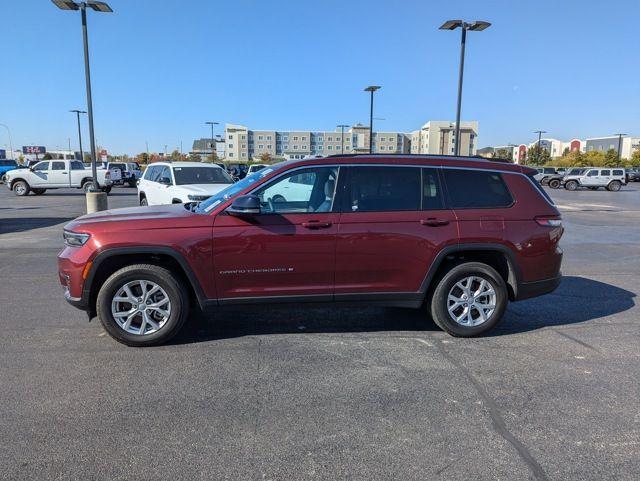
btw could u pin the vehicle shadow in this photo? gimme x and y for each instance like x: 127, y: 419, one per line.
x: 577, y: 300
x: 81, y: 193
x: 22, y: 224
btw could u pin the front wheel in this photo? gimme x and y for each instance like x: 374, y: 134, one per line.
x: 21, y: 188
x: 469, y: 300
x: 571, y: 185
x: 142, y: 305
x: 614, y: 186
x: 143, y: 201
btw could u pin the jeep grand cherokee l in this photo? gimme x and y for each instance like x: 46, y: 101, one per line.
x: 460, y: 237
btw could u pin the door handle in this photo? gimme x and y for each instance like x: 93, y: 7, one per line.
x: 65, y: 172
x: 433, y: 222
x: 314, y: 224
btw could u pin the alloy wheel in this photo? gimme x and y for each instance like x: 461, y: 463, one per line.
x: 471, y: 301
x: 141, y: 307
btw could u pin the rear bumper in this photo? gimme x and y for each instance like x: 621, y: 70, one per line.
x: 527, y: 290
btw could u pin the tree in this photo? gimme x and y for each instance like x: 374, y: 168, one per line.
x: 176, y: 156
x: 194, y: 158
x: 266, y: 157
x: 635, y: 158
x: 503, y: 154
x: 611, y: 158
x: 47, y: 156
x: 538, y: 155
x: 211, y: 158
x: 142, y: 158
x: 594, y: 158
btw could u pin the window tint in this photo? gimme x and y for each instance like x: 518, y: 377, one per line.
x: 77, y: 165
x: 476, y: 189
x: 201, y: 175
x: 431, y: 191
x: 316, y: 194
x: 165, y: 172
x: 152, y: 173
x: 592, y: 173
x: 605, y: 172
x: 57, y: 165
x: 41, y: 166
x: 378, y: 189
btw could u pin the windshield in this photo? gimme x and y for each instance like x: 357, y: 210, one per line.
x: 201, y: 175
x: 575, y: 171
x: 133, y: 166
x: 225, y: 194
x: 8, y: 163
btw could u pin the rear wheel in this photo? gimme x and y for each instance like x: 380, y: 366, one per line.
x: 21, y: 188
x: 142, y: 305
x: 469, y: 300
x: 143, y: 201
x: 87, y: 186
x: 614, y: 186
x: 554, y: 183
x: 39, y: 191
x: 106, y: 190
x: 571, y: 185
x: 544, y: 181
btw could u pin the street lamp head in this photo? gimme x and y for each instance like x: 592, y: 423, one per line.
x: 66, y: 4
x: 372, y: 88
x: 76, y: 111
x: 451, y: 24
x: 212, y: 123
x: 478, y: 26
x: 99, y: 6
x: 342, y: 126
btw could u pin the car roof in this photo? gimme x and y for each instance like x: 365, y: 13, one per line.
x: 408, y: 159
x: 186, y: 164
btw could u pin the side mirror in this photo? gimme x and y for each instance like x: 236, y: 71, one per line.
x: 165, y: 181
x: 245, y: 205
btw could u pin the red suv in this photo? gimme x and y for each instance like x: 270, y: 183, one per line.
x: 457, y: 236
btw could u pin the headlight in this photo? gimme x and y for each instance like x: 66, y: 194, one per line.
x: 198, y: 198
x: 75, y: 239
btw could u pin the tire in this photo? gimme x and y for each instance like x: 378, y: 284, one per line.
x: 544, y: 181
x: 449, y: 285
x: 169, y: 288
x: 132, y: 183
x: 571, y: 185
x: 21, y: 188
x: 554, y: 183
x: 38, y: 191
x: 4, y: 178
x: 106, y: 190
x: 614, y: 186
x: 278, y: 198
x: 143, y: 201
x: 87, y: 186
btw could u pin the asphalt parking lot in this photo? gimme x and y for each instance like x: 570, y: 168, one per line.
x: 329, y: 393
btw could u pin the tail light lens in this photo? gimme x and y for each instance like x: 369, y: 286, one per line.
x: 549, y: 221
x: 107, y: 175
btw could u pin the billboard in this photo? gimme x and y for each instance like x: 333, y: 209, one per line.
x: 33, y: 149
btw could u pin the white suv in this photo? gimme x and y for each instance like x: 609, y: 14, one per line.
x: 181, y: 182
x: 611, y: 179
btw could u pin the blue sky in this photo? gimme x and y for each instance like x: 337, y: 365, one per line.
x: 162, y: 68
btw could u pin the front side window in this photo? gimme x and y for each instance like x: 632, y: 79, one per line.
x: 379, y: 189
x: 151, y: 173
x: 618, y: 172
x: 165, y: 173
x: 592, y: 173
x: 57, y: 165
x: 605, y: 172
x: 476, y: 189
x: 309, y: 190
x: 201, y: 175
x: 42, y: 166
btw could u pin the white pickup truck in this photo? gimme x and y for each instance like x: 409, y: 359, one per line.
x: 57, y: 174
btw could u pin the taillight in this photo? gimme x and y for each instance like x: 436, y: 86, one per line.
x: 107, y: 175
x: 549, y: 221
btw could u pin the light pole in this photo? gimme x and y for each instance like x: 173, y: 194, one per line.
x: 371, y: 89
x: 10, y: 143
x: 78, y: 112
x: 98, y: 7
x: 476, y: 26
x: 342, y: 127
x: 619, y: 148
x: 539, y: 132
x: 213, y: 141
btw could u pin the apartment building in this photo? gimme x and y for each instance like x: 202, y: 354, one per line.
x: 438, y: 137
x: 627, y: 146
x: 243, y: 144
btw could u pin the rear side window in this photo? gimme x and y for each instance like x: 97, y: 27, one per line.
x: 476, y: 189
x: 76, y: 165
x: 57, y: 165
x: 379, y: 189
x: 618, y: 172
x: 605, y: 172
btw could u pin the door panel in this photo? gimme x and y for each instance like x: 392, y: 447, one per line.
x: 58, y: 174
x: 390, y: 251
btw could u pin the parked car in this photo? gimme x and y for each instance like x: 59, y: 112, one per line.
x: 57, y: 174
x: 5, y: 166
x: 136, y: 173
x: 633, y: 175
x: 253, y: 168
x: 544, y: 173
x: 459, y: 236
x: 594, y: 178
x: 181, y: 182
x: 557, y: 181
